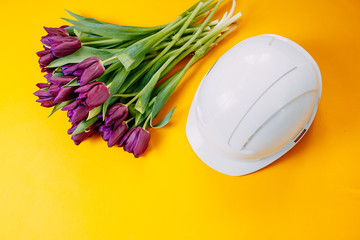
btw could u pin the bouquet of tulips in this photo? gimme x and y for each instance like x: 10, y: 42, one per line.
x: 109, y: 77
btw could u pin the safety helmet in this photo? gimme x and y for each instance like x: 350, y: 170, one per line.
x: 254, y: 104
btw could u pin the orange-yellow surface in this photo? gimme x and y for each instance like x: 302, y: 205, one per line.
x: 51, y: 189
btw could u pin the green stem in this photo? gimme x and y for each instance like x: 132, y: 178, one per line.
x: 129, y: 120
x: 107, y: 41
x: 175, y: 39
x: 109, y: 60
x: 210, y: 45
x: 146, y: 122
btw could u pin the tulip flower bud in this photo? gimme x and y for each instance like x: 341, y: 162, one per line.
x: 59, y: 41
x: 93, y: 94
x: 135, y: 141
x: 105, y: 132
x: 53, y: 32
x: 118, y: 112
x: 78, y: 138
x: 63, y: 46
x: 117, y: 133
x: 76, y: 111
x: 45, y: 98
x: 45, y: 58
x: 87, y: 70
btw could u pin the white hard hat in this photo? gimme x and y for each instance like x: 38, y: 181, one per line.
x: 254, y: 104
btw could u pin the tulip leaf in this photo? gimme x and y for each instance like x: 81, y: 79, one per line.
x: 164, y: 121
x: 81, y: 54
x: 132, y: 110
x: 116, y: 84
x: 164, y: 94
x: 59, y: 106
x: 84, y: 125
x: 142, y: 103
x: 140, y: 117
x: 111, y: 30
x: 94, y: 112
x: 57, y: 74
x: 80, y: 34
x: 78, y: 17
x: 134, y: 54
x: 72, y: 83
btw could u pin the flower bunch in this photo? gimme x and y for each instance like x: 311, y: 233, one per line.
x: 109, y: 77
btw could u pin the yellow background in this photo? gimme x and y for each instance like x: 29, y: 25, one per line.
x: 52, y: 189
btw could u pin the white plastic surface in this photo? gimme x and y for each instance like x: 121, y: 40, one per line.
x: 253, y: 104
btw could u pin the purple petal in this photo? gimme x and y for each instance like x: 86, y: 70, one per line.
x: 48, y: 104
x: 142, y: 143
x: 43, y: 85
x: 97, y: 96
x: 65, y: 93
x: 57, y: 31
x: 54, y: 90
x: 71, y: 106
x: 117, y: 112
x: 66, y: 47
x: 116, y: 134
x: 86, y: 87
x: 42, y: 93
x: 92, y: 72
x: 61, y: 80
x: 79, y: 114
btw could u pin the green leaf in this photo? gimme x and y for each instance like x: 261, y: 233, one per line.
x: 81, y: 54
x: 144, y: 97
x: 140, y: 117
x: 134, y: 54
x: 132, y: 110
x: 94, y: 112
x: 116, y: 84
x: 80, y: 34
x: 59, y: 106
x: 163, y: 96
x: 84, y: 125
x: 78, y: 17
x: 164, y: 121
x: 72, y: 83
x: 112, y: 30
x: 57, y: 74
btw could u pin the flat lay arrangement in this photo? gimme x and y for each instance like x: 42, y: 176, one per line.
x: 106, y: 76
x: 190, y: 119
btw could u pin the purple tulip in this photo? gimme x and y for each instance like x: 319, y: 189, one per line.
x: 87, y: 70
x: 93, y: 94
x: 135, y: 141
x: 76, y: 111
x: 59, y: 42
x: 60, y: 80
x: 48, y: 75
x: 105, y: 132
x: 117, y: 133
x: 78, y: 138
x: 64, y: 94
x: 55, y: 92
x: 59, y: 91
x: 54, y: 32
x: 45, y: 58
x: 114, y: 127
x: 43, y: 85
x: 118, y: 112
x: 45, y: 97
x: 63, y: 46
